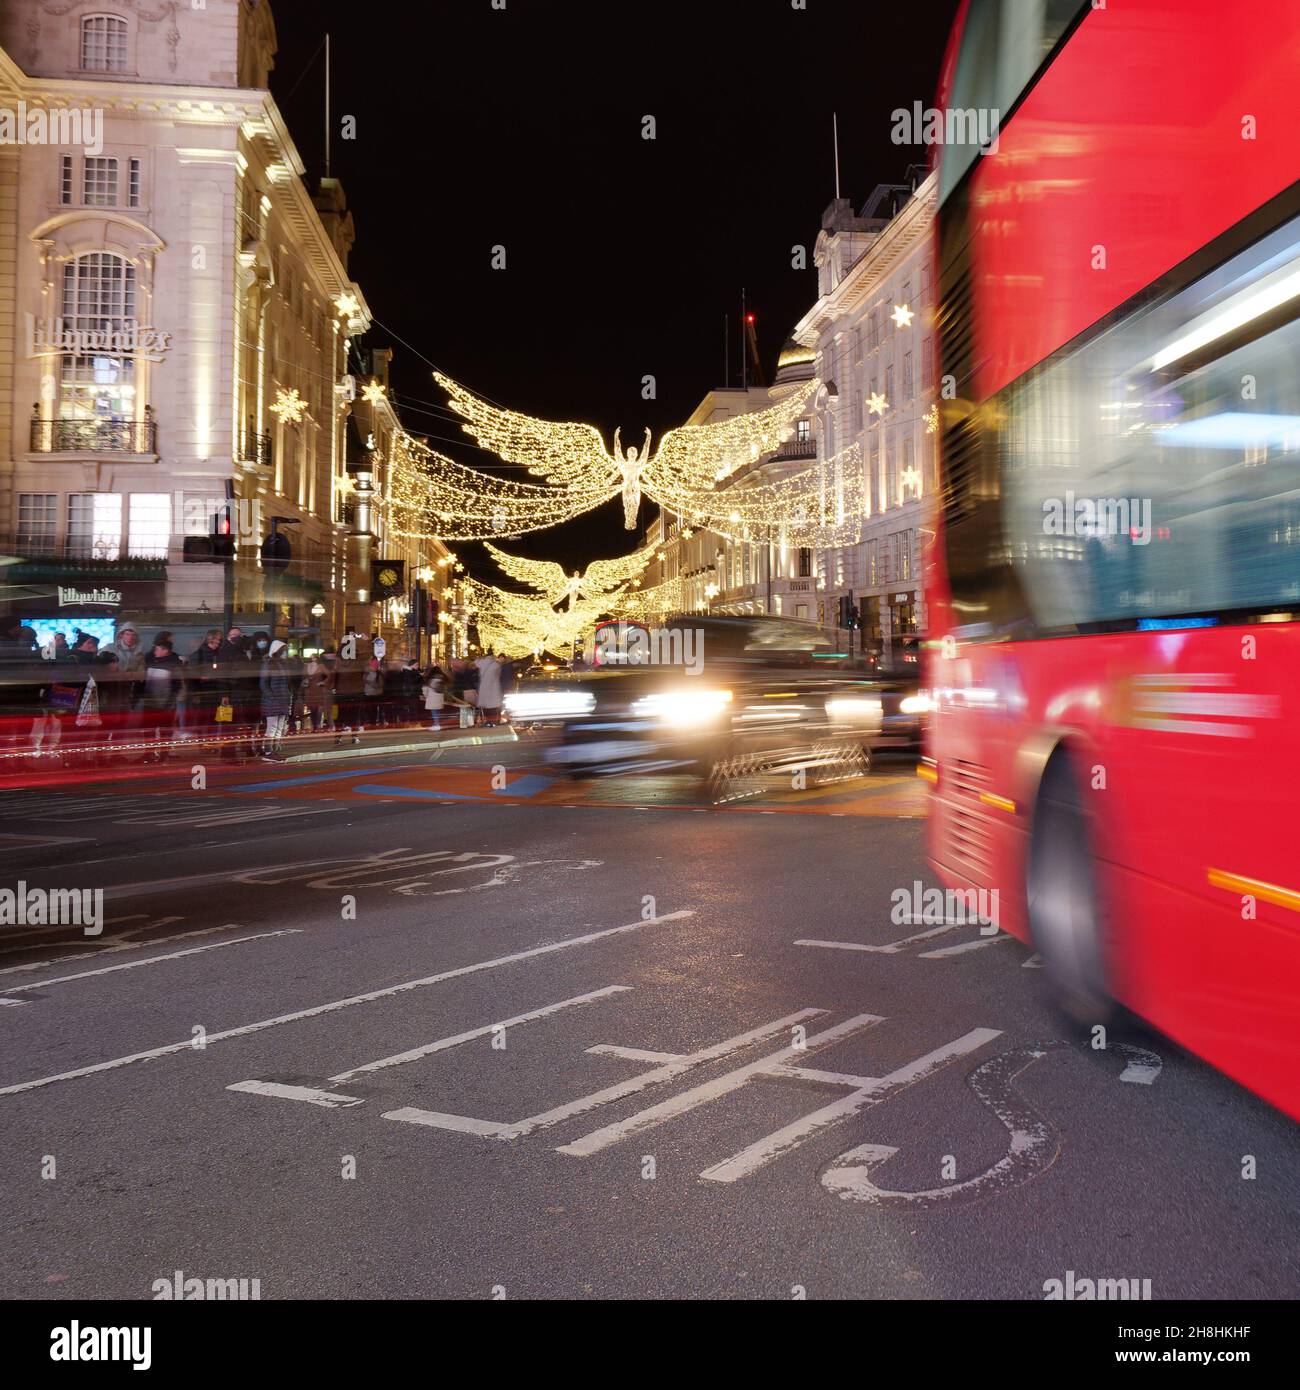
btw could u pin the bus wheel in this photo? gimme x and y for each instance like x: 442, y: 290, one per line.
x: 1065, y: 920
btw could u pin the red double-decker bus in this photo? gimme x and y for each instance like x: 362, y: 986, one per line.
x: 1114, y: 587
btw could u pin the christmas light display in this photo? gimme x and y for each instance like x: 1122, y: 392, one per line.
x: 689, y: 459
x: 288, y: 406
x: 599, y: 581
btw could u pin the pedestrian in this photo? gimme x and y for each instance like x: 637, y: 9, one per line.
x: 276, y: 706
x: 410, y: 691
x: 489, y: 688
x: 57, y: 649
x: 373, y: 690
x: 434, y: 687
x: 349, y: 690
x: 206, y: 688
x: 164, y: 685
x: 320, y: 690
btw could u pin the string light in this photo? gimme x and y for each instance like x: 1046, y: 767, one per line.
x: 573, y: 456
x: 601, y: 578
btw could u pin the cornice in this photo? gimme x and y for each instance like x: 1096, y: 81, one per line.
x: 895, y: 242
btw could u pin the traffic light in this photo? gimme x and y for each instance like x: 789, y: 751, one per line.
x: 217, y: 547
x: 276, y: 553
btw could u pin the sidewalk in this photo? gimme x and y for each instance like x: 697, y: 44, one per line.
x: 320, y: 747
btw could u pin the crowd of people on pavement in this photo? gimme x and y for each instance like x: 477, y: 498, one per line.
x: 242, y: 692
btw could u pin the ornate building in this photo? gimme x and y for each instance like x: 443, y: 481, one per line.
x: 174, y: 351
x: 872, y: 330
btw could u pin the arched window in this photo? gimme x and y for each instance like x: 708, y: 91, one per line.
x: 103, y: 43
x: 98, y: 297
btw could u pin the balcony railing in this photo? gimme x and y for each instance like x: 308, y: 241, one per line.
x: 796, y: 449
x: 257, y: 448
x: 94, y: 436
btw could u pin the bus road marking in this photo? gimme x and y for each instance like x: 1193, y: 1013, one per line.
x: 334, y: 1005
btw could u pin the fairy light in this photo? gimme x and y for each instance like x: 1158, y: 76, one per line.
x: 288, y: 406
x: 931, y: 418
x: 601, y: 578
x: 573, y: 456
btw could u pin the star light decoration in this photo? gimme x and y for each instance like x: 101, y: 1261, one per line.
x: 289, y: 406
x: 876, y: 404
x: 902, y: 316
x: 348, y: 305
x: 373, y: 393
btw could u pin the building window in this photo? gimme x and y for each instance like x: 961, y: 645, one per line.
x: 149, y: 526
x: 95, y: 526
x: 99, y: 182
x: 907, y: 376
x: 38, y: 521
x: 927, y: 365
x: 103, y: 43
x: 803, y: 431
x: 133, y: 183
x: 805, y: 562
x: 98, y: 294
x: 65, y: 179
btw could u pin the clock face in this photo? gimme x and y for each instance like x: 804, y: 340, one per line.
x: 387, y: 578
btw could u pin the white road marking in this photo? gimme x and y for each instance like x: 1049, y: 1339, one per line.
x: 877, y: 1090
x: 331, y: 1100
x: 155, y: 960
x: 711, y: 1090
x: 457, y: 1039
x: 336, y: 1004
x: 113, y: 949
x: 630, y: 1087
x: 633, y: 1054
x: 1033, y: 1146
x: 1144, y: 1066
x: 964, y: 947
x: 889, y: 949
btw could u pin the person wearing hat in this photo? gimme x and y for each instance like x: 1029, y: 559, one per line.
x: 276, y: 701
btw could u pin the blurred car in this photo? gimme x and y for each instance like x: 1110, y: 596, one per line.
x: 730, y: 700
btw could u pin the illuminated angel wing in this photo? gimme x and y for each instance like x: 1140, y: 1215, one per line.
x: 691, y: 457
x: 570, y: 454
x: 543, y: 576
x: 602, y: 576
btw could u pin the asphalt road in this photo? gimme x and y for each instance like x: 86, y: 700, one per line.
x: 392, y: 1044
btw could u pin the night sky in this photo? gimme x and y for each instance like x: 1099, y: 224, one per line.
x: 523, y: 127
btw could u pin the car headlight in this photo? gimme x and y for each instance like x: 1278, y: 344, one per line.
x: 855, y: 707
x: 549, y: 704
x: 683, y: 709
x: 920, y: 703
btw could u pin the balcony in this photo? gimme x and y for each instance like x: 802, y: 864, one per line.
x: 258, y: 448
x: 94, y: 436
x: 796, y: 449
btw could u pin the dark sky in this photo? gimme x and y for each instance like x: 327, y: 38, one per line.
x: 522, y: 127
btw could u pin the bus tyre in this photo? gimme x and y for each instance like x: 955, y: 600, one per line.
x: 1065, y: 920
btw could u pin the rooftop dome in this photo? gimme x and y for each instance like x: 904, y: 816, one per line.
x: 795, y: 362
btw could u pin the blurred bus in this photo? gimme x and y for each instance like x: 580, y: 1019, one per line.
x: 1114, y: 586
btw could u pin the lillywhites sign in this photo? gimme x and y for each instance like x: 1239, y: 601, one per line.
x: 117, y: 338
x: 77, y: 598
